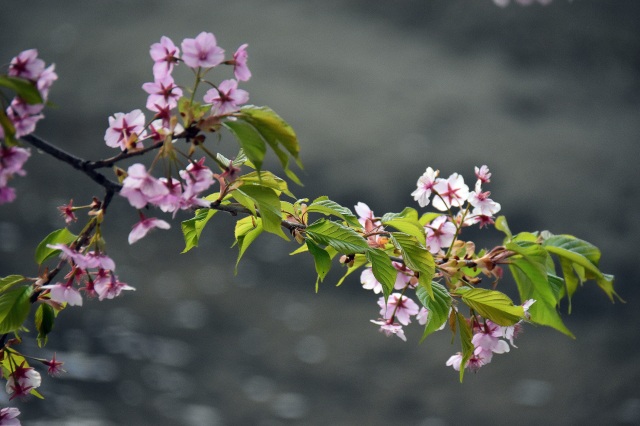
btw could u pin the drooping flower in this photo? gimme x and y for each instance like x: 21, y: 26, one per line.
x: 64, y: 293
x: 125, y: 130
x: 55, y: 367
x: 66, y: 212
x: 483, y: 174
x: 141, y: 228
x: 24, y: 116
x: 399, y: 307
x: 390, y: 329
x: 22, y: 381
x: 425, y: 186
x: 140, y: 188
x: 369, y: 282
x: 440, y: 233
x: 202, y: 51
x: 27, y: 65
x: 422, y: 316
x: 164, y: 54
x: 226, y: 98
x: 45, y: 81
x: 455, y: 361
x: 451, y: 192
x: 8, y: 417
x: 108, y: 287
x: 240, y: 69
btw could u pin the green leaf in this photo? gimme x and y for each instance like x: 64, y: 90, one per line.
x: 492, y: 304
x: 529, y: 269
x: 465, y: 340
x: 60, y: 236
x: 14, y: 308
x: 417, y: 258
x: 501, y: 225
x: 383, y: 270
x: 44, y: 320
x: 406, y: 221
x: 273, y: 128
x: 322, y: 261
x: 268, y: 204
x: 327, y: 207
x: 9, y: 281
x: 192, y: 228
x: 25, y: 89
x: 586, y: 256
x: 250, y: 141
x: 359, y: 261
x: 438, y: 307
x: 428, y: 217
x: 268, y: 180
x: 246, y: 231
x: 345, y: 240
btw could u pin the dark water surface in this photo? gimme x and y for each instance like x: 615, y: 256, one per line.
x: 377, y: 91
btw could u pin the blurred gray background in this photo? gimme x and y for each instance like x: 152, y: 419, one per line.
x: 377, y: 91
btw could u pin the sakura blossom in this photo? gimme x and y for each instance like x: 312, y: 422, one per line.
x: 202, y: 51
x: 440, y: 234
x: 141, y: 228
x: 369, y: 281
x: 64, y: 293
x: 140, y: 188
x: 483, y: 174
x: 165, y: 55
x: 108, y: 287
x: 163, y: 92
x: 22, y: 381
x: 27, y: 65
x: 483, y: 205
x: 8, y: 417
x: 425, y: 186
x: 198, y: 178
x: 24, y: 116
x: 240, y: 69
x: 125, y: 129
x: 450, y: 192
x: 46, y: 80
x: 226, y: 98
x: 55, y: 366
x: 390, y: 329
x: 67, y: 213
x: 398, y: 307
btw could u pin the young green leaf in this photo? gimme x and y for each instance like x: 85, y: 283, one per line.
x: 492, y: 304
x: 14, y: 308
x: 406, y: 221
x: 465, y: 340
x: 268, y: 204
x: 25, y: 89
x: 417, y: 258
x: 321, y: 259
x: 438, y: 307
x: 9, y: 281
x: 383, y: 270
x: 345, y: 240
x: 246, y: 231
x: 330, y: 208
x: 268, y: 180
x: 250, y: 141
x: 273, y: 128
x: 60, y: 236
x: 44, y: 320
x: 192, y: 228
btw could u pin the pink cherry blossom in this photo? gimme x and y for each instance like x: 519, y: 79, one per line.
x: 140, y: 188
x: 451, y: 192
x: 399, y: 307
x: 24, y: 116
x: 390, y: 329
x: 22, y: 381
x: 109, y: 287
x: 425, y: 186
x: 240, y: 69
x: 364, y: 213
x: 423, y: 316
x: 164, y: 54
x: 162, y: 92
x: 226, y: 98
x: 55, y: 367
x: 8, y: 417
x: 369, y: 282
x: 202, y: 51
x: 487, y: 340
x: 483, y: 174
x: 45, y: 81
x: 483, y: 205
x: 12, y: 159
x: 64, y: 293
x: 141, y: 228
x: 67, y: 213
x: 171, y: 201
x: 27, y: 65
x: 7, y: 194
x: 440, y: 233
x: 198, y: 178
x: 455, y: 361
x: 125, y: 127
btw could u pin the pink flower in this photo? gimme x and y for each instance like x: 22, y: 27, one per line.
x: 7, y: 194
x: 369, y: 282
x: 171, y: 201
x: 450, y: 192
x: 45, y: 81
x: 425, y: 186
x: 12, y: 159
x: 22, y: 381
x: 202, y: 51
x: 483, y: 205
x: 164, y: 54
x: 399, y: 307
x: 8, y: 417
x: 27, y: 65
x: 109, y: 287
x: 66, y: 212
x: 483, y: 174
x: 162, y: 92
x: 125, y: 130
x: 198, y: 178
x: 140, y: 188
x: 455, y: 361
x: 240, y: 69
x: 55, y: 367
x: 24, y: 116
x: 487, y: 340
x: 141, y: 228
x: 390, y: 328
x: 423, y: 316
x: 226, y: 98
x: 440, y: 233
x: 64, y: 293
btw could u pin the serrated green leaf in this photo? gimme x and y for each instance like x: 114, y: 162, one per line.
x: 60, y: 236
x: 321, y: 259
x: 250, y: 141
x: 44, y: 320
x: 406, y: 221
x: 345, y: 240
x: 268, y: 180
x: 9, y: 281
x: 438, y: 307
x: 268, y: 204
x: 25, y: 89
x: 493, y: 305
x: 14, y: 308
x: 192, y: 228
x: 273, y: 128
x: 383, y: 270
x: 327, y: 207
x: 529, y: 269
x: 417, y: 258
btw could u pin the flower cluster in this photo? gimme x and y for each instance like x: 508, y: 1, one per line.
x: 93, y: 270
x: 12, y: 160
